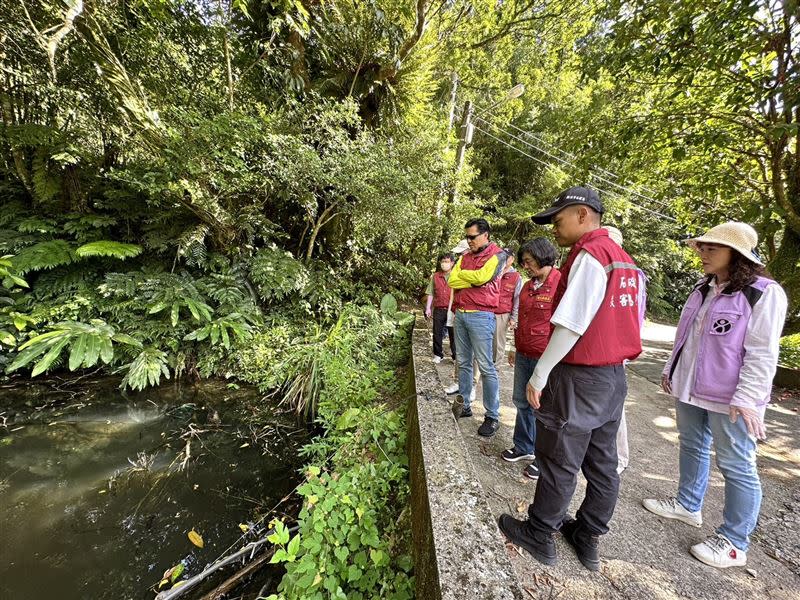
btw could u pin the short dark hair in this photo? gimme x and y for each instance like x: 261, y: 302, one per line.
x: 482, y: 225
x: 542, y: 251
x: 448, y: 255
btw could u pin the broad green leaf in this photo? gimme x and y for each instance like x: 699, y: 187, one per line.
x: 106, y: 350
x: 49, y: 358
x: 76, y: 355
x: 174, y: 313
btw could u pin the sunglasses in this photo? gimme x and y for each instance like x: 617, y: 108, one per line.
x: 472, y: 237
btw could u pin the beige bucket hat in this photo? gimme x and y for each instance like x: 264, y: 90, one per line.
x: 738, y: 236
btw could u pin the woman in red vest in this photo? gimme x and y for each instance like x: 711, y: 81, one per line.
x: 439, y: 298
x: 532, y: 331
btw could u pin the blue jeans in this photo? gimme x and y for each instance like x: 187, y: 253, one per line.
x: 525, y: 424
x: 736, y: 459
x: 474, y: 335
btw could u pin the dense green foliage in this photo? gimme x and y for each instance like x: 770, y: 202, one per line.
x: 790, y: 351
x: 230, y: 187
x: 354, y: 537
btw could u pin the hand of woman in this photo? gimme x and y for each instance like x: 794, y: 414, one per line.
x: 666, y: 384
x: 512, y: 324
x: 752, y: 420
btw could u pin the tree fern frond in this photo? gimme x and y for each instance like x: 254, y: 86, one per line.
x: 109, y: 248
x: 44, y: 255
x: 36, y: 225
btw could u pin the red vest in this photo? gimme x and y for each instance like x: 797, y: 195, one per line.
x: 486, y: 296
x: 535, y: 310
x: 613, y: 335
x: 508, y: 284
x: 441, y: 291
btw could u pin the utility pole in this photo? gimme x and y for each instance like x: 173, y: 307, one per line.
x: 453, y: 96
x: 465, y: 138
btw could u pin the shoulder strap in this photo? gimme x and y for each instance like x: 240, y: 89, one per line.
x: 752, y: 294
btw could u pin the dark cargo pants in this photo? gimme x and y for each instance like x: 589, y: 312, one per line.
x: 576, y: 429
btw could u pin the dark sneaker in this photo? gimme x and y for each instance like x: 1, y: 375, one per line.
x: 531, y: 471
x: 489, y: 427
x: 539, y: 545
x: 586, y: 545
x: 459, y: 412
x: 513, y: 456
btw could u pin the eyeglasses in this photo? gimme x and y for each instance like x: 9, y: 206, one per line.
x: 472, y: 237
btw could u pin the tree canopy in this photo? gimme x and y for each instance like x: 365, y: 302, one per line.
x: 181, y: 171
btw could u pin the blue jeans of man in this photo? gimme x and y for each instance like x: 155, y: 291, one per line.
x: 474, y: 335
x: 525, y: 424
x: 736, y: 459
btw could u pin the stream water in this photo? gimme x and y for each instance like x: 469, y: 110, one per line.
x: 97, y: 494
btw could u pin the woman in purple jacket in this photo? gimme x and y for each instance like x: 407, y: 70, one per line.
x: 720, y: 372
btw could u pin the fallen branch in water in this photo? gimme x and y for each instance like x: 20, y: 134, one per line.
x: 192, y: 582
x: 231, y: 582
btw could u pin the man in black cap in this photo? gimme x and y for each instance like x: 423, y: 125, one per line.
x: 578, y: 386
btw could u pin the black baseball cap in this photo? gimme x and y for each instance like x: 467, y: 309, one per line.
x: 570, y: 197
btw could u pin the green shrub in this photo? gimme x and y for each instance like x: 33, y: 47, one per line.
x: 790, y: 351
x: 354, y: 537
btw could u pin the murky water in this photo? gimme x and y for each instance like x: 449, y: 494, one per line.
x: 97, y: 494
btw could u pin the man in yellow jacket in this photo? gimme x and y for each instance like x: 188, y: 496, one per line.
x: 476, y: 283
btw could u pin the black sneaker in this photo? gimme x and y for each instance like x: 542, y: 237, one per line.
x: 586, y: 544
x: 513, y: 456
x: 489, y: 427
x: 540, y: 545
x: 459, y: 412
x: 531, y: 471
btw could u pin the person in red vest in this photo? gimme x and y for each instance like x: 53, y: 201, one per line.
x: 476, y: 283
x: 507, y: 307
x: 578, y: 386
x: 438, y: 306
x: 532, y: 331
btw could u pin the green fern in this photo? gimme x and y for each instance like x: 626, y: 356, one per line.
x: 88, y: 343
x: 43, y: 256
x: 7, y: 275
x: 217, y: 330
x: 108, y: 248
x: 146, y: 369
x: 36, y: 225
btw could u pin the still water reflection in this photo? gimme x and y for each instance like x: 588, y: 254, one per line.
x: 97, y: 494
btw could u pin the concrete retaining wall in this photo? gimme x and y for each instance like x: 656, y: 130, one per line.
x: 458, y: 551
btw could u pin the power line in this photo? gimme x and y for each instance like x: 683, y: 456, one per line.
x: 549, y: 165
x: 591, y: 170
x: 571, y: 164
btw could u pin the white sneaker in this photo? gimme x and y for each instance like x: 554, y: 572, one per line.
x: 671, y: 509
x: 718, y: 551
x: 437, y: 360
x: 453, y: 389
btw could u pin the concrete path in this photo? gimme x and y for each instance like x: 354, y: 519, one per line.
x: 644, y: 556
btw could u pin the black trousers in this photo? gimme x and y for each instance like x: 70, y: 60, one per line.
x: 576, y: 430
x: 439, y: 326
